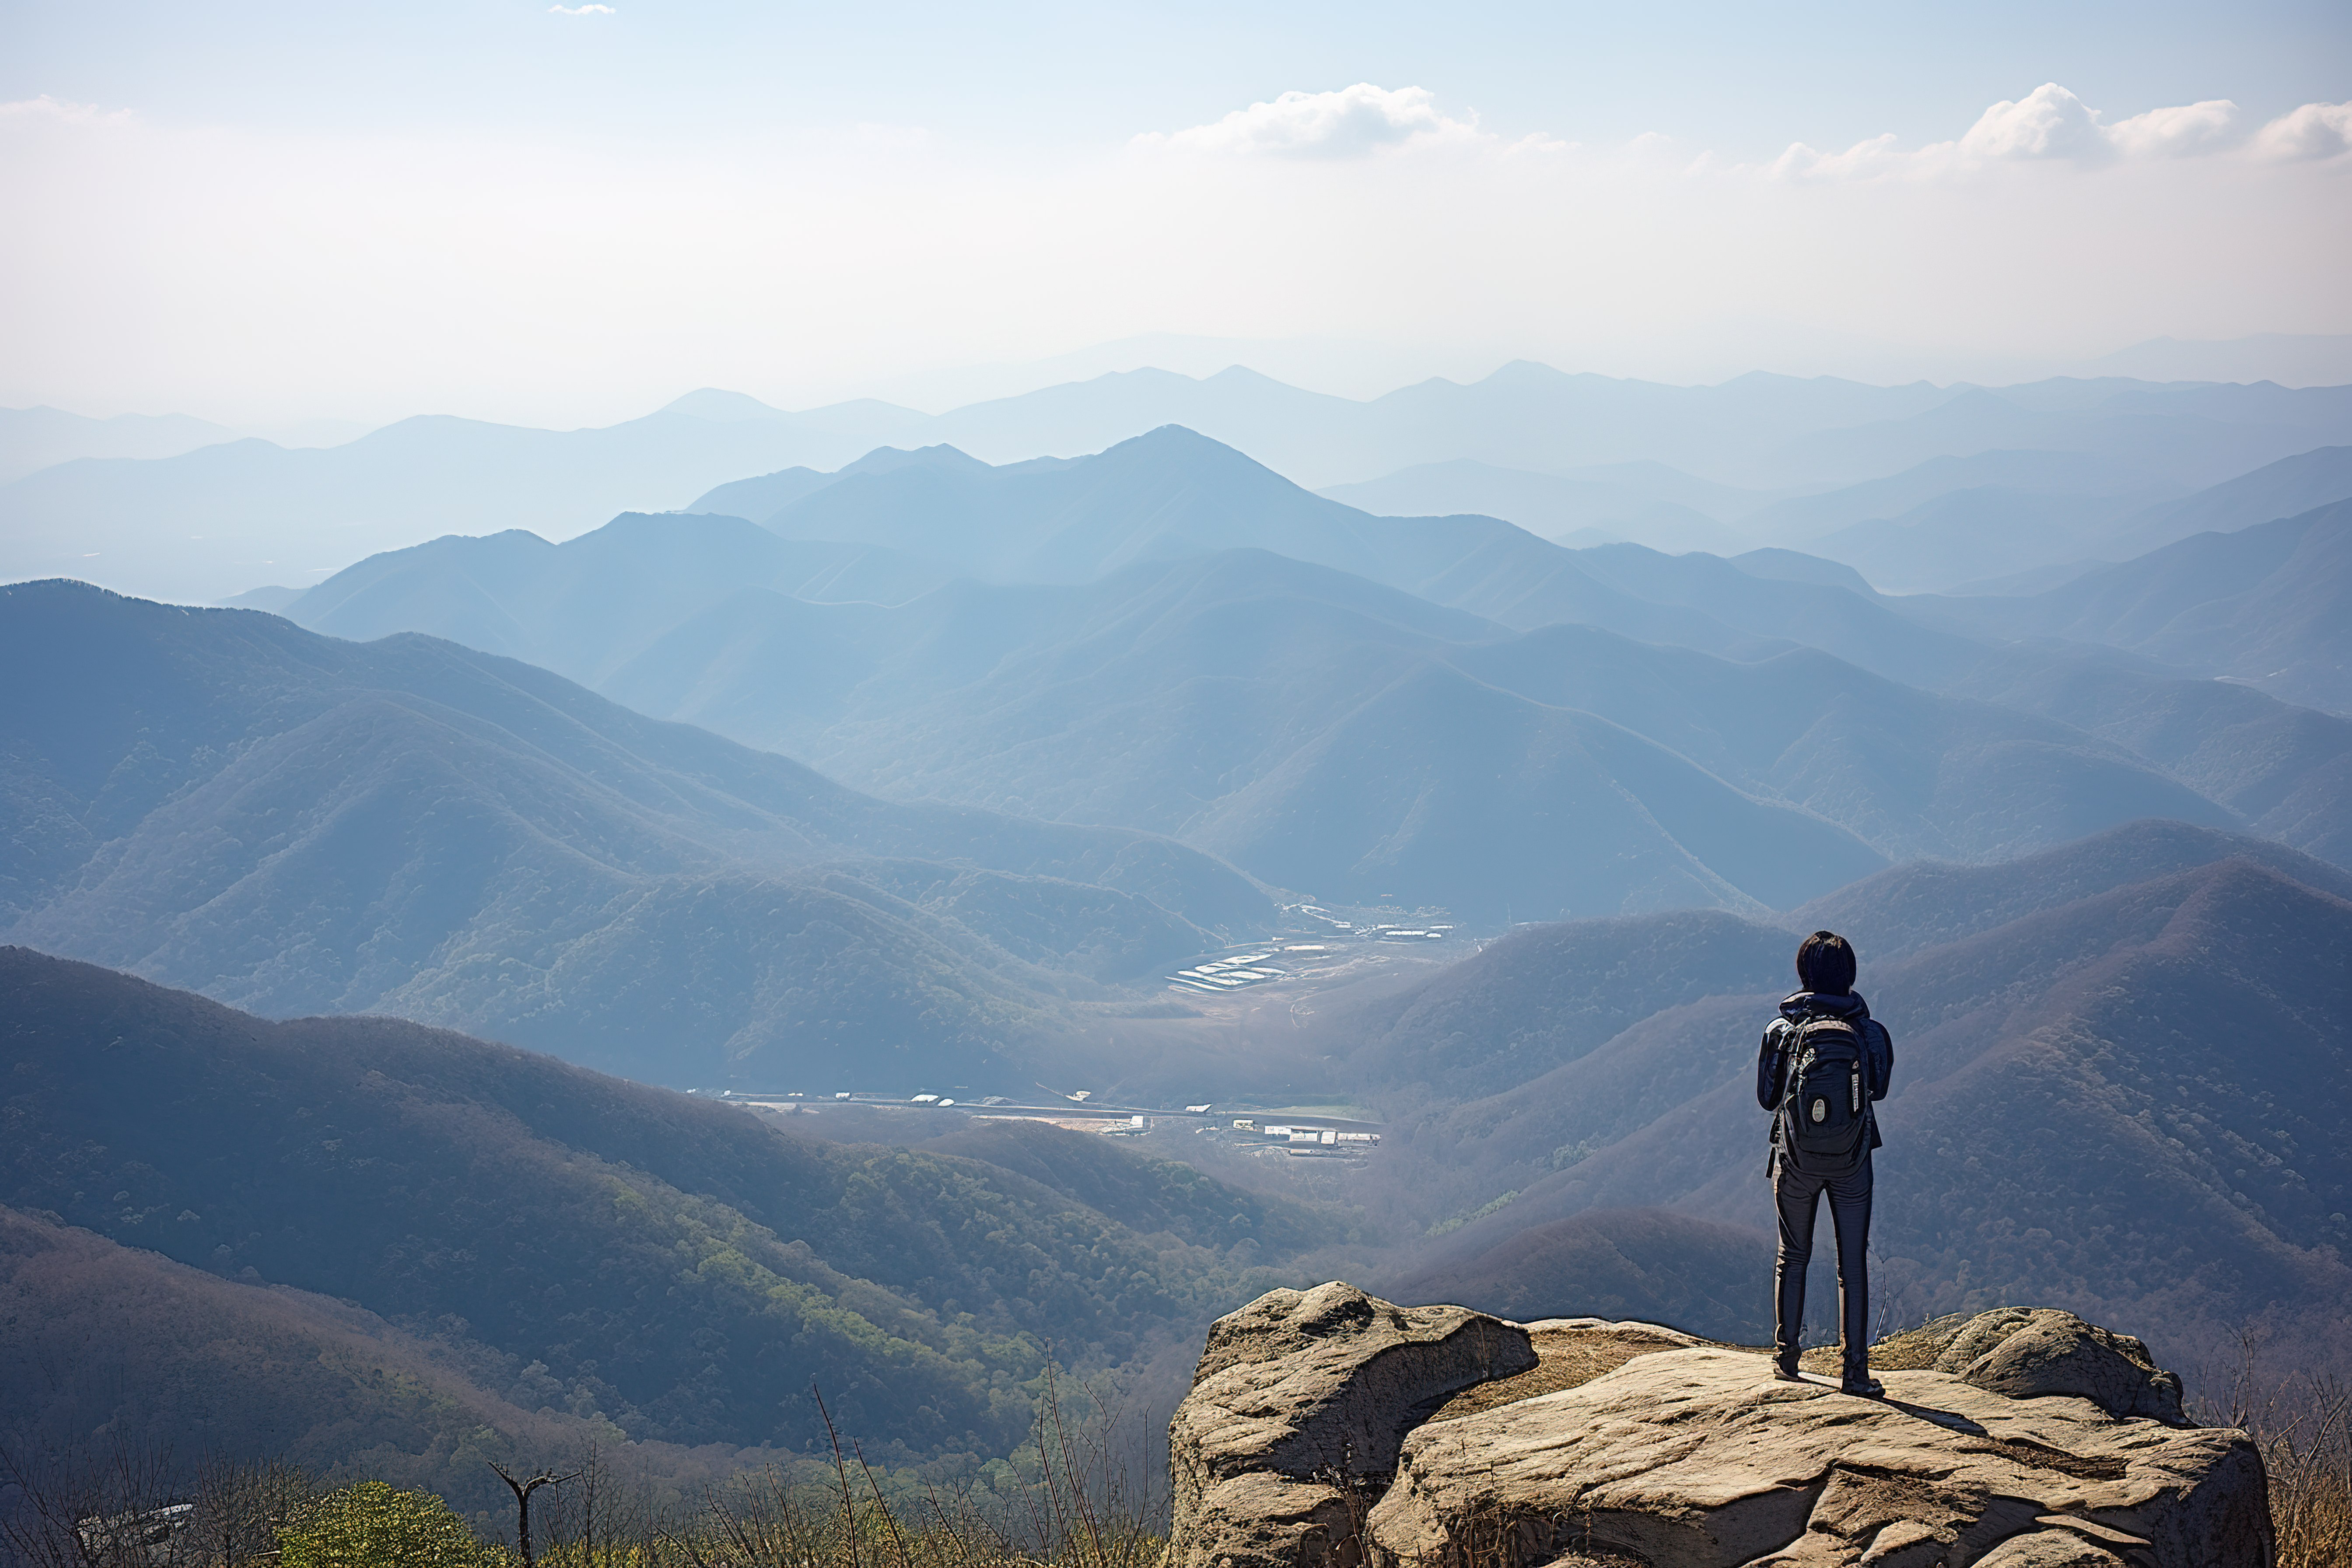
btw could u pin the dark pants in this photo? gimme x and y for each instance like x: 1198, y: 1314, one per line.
x: 1797, y: 1197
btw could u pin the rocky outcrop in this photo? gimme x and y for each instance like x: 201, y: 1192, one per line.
x: 2027, y: 1352
x: 1698, y: 1458
x: 1297, y: 1408
x: 1328, y: 1428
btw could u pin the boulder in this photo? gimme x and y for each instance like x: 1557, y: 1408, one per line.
x: 1297, y: 1408
x: 1326, y: 1427
x: 1697, y: 1458
x: 2028, y: 1353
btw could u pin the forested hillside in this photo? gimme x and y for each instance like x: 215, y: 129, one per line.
x: 559, y: 1242
x: 296, y: 823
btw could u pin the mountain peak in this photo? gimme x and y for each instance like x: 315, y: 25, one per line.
x: 890, y: 459
x: 720, y: 406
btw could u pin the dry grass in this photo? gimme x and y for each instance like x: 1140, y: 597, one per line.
x: 1071, y: 1507
x: 2303, y: 1424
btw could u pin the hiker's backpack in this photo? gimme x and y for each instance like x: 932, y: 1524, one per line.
x: 1824, y: 1111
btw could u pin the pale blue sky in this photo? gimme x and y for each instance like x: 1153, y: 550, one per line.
x: 284, y: 210
x: 1744, y: 77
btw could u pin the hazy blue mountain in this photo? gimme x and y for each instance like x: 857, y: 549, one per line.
x: 1778, y: 565
x: 1064, y: 698
x: 1912, y: 773
x: 1970, y: 536
x: 762, y: 496
x: 213, y: 522
x: 1231, y: 699
x: 2286, y: 770
x: 1523, y: 416
x: 32, y: 439
x: 1907, y: 908
x: 1799, y: 520
x: 2291, y: 359
x: 1221, y: 698
x: 2074, y: 1114
x: 1813, y: 609
x: 2269, y: 605
x: 588, y: 605
x: 673, y: 1266
x: 271, y: 599
x: 2043, y: 511
x: 1567, y: 510
x: 1755, y: 431
x: 1727, y: 503
x: 2288, y: 487
x: 1174, y: 492
x: 221, y: 800
x: 2192, y: 435
x: 1167, y: 493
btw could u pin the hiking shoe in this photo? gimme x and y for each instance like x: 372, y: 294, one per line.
x: 1785, y: 1371
x: 1863, y: 1387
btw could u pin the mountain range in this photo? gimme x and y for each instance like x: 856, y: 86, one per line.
x: 2036, y: 528
x: 32, y: 439
x: 206, y: 524
x: 1118, y: 661
x: 2003, y: 522
x: 295, y: 823
x: 2269, y: 605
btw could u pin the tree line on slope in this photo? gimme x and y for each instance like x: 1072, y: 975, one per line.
x: 527, y: 1248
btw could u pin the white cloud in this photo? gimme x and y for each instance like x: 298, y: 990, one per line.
x: 1352, y: 122
x: 48, y: 107
x: 1879, y: 155
x: 582, y: 11
x: 2185, y: 132
x: 2051, y: 124
x: 2315, y: 131
x: 2048, y: 122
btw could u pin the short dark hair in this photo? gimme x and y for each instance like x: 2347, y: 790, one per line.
x: 1825, y: 963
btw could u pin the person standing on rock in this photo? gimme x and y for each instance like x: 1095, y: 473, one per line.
x: 1825, y: 1062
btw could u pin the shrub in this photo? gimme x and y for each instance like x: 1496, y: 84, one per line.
x: 369, y: 1525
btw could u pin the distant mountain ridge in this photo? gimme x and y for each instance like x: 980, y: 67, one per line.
x: 222, y: 800
x: 2269, y: 605
x: 1174, y: 492
x: 2063, y: 510
x: 1988, y: 522
x: 32, y: 439
x: 1106, y: 670
x: 220, y: 521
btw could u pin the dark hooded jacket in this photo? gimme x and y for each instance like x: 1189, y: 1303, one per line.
x: 1772, y: 1056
